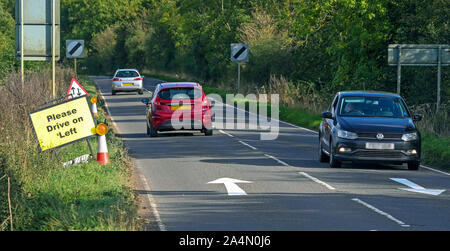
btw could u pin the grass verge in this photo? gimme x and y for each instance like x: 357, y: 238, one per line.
x: 47, y: 196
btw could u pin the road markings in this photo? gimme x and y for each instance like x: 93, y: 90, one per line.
x: 317, y: 181
x: 161, y: 226
x: 230, y: 185
x: 434, y: 170
x: 416, y: 188
x: 277, y: 160
x: 229, y: 135
x: 378, y: 211
x: 245, y: 144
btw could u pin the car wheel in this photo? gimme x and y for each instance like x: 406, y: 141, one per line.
x: 334, y: 163
x: 141, y: 91
x: 208, y: 132
x: 113, y: 93
x: 413, y: 165
x: 322, y: 156
x: 151, y: 131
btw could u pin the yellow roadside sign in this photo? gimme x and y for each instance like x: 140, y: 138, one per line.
x: 63, y: 123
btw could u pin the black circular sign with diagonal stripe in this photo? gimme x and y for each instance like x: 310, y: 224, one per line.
x: 75, y: 48
x: 239, y: 52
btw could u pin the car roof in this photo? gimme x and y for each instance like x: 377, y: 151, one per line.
x: 127, y: 70
x: 179, y: 84
x: 368, y: 93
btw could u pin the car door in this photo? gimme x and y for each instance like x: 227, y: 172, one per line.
x: 329, y: 123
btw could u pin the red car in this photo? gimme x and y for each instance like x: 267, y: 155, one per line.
x: 178, y: 106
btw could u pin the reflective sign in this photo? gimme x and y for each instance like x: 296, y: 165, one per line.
x: 63, y: 123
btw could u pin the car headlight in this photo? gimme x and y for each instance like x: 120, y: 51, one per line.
x: 346, y: 135
x: 409, y: 136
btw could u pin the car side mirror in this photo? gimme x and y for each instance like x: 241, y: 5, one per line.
x: 417, y: 117
x: 145, y: 101
x: 327, y: 115
x: 212, y: 102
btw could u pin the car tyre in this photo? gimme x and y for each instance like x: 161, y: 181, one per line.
x: 113, y: 93
x: 208, y: 132
x: 151, y: 131
x: 141, y: 91
x: 414, y: 166
x: 322, y: 156
x: 334, y: 163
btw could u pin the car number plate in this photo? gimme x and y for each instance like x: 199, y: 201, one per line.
x: 380, y: 146
x: 181, y: 107
x: 127, y: 84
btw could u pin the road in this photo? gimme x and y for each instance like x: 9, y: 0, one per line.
x: 288, y: 189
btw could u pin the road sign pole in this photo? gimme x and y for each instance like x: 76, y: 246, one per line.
x: 21, y: 46
x: 399, y: 70
x: 75, y: 64
x: 53, y: 46
x: 239, y: 78
x: 438, y: 101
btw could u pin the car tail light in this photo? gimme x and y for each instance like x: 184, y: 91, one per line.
x: 116, y: 79
x: 138, y: 79
x: 157, y: 104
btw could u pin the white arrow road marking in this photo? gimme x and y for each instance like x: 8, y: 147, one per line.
x: 416, y: 188
x: 230, y: 185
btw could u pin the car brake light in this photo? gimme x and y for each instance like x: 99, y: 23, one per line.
x: 138, y: 79
x: 116, y: 79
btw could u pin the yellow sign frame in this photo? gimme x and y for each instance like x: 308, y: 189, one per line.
x: 63, y: 123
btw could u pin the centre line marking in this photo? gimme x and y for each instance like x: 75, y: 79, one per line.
x: 231, y: 136
x: 245, y: 144
x: 277, y: 160
x: 317, y: 181
x: 378, y: 211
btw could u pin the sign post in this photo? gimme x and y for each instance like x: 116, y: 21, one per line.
x: 63, y: 123
x: 239, y: 53
x: 420, y: 55
x: 75, y: 49
x: 38, y: 33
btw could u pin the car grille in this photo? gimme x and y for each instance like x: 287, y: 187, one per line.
x: 386, y: 135
x: 380, y: 154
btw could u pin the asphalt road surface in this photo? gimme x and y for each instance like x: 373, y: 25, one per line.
x: 287, y: 187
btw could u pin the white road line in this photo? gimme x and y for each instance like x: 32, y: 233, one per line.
x: 378, y: 211
x: 231, y: 136
x: 161, y: 226
x: 277, y: 160
x: 245, y: 144
x: 281, y: 121
x: 317, y: 181
x: 434, y: 170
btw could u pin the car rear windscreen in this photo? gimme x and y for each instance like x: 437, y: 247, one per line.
x: 180, y: 93
x: 127, y: 74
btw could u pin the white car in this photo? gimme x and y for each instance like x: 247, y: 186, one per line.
x: 127, y: 80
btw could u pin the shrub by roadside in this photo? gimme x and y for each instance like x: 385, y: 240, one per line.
x: 45, y: 195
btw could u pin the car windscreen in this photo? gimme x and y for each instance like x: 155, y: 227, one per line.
x: 180, y: 93
x: 127, y: 74
x: 392, y: 107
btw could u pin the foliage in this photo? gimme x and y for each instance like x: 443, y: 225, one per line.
x: 7, y: 51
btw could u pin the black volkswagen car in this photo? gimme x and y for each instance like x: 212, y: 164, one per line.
x: 376, y: 127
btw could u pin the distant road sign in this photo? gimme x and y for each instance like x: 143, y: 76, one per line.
x: 418, y: 54
x: 76, y: 90
x: 239, y: 52
x: 37, y: 28
x: 75, y: 48
x: 63, y: 123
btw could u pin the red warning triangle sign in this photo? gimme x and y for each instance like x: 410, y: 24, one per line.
x: 76, y: 90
